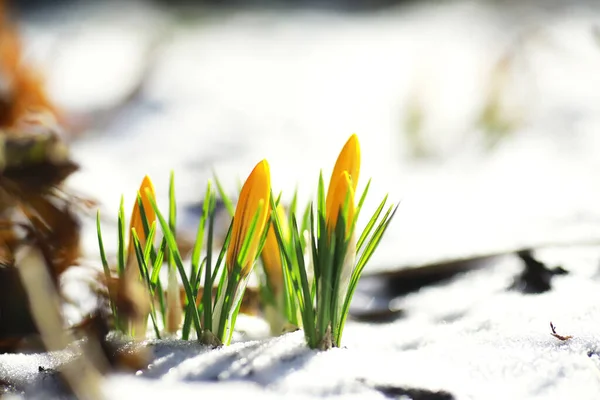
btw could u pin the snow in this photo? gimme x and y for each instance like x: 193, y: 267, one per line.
x: 471, y: 337
x: 241, y: 86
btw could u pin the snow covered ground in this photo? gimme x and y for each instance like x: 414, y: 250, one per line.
x: 468, y: 339
x: 228, y: 88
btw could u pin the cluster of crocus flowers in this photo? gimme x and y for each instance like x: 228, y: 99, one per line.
x: 336, y: 258
x: 336, y: 252
x: 139, y: 292
x: 310, y: 270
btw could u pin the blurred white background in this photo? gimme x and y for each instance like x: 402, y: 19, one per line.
x: 482, y: 117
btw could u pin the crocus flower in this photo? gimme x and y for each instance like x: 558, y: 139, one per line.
x: 253, y: 205
x: 131, y: 285
x: 136, y: 216
x: 253, y: 202
x: 342, y: 184
x: 340, y: 194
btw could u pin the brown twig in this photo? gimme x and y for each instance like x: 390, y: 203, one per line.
x: 556, y: 335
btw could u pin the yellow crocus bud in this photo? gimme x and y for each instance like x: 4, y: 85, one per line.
x: 340, y: 194
x: 254, y: 198
x: 253, y: 203
x: 131, y: 284
x: 136, y: 217
x: 348, y: 161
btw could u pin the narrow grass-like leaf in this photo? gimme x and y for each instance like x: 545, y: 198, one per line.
x: 326, y: 245
x: 341, y: 249
x: 143, y: 267
x: 306, y: 215
x: 172, y: 228
x: 148, y: 262
x: 234, y: 315
x: 187, y: 321
x: 145, y: 224
x: 262, y: 240
x: 195, y: 279
x: 172, y: 205
x: 121, y: 241
x: 236, y: 274
x: 294, y: 203
x: 374, y: 241
x: 219, y: 264
x: 207, y: 308
x: 174, y: 314
x: 221, y: 270
x: 200, y: 233
x: 222, y: 285
x: 105, y: 266
x: 232, y: 284
x: 155, y: 278
x: 153, y: 255
x: 362, y: 200
x: 367, y: 231
x: 157, y: 264
x: 368, y: 252
x: 107, y: 274
x: 321, y: 201
x: 314, y: 247
x: 226, y: 200
x: 308, y: 317
x: 324, y: 255
x: 149, y: 246
x: 278, y: 199
x: 291, y: 287
x: 246, y: 244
